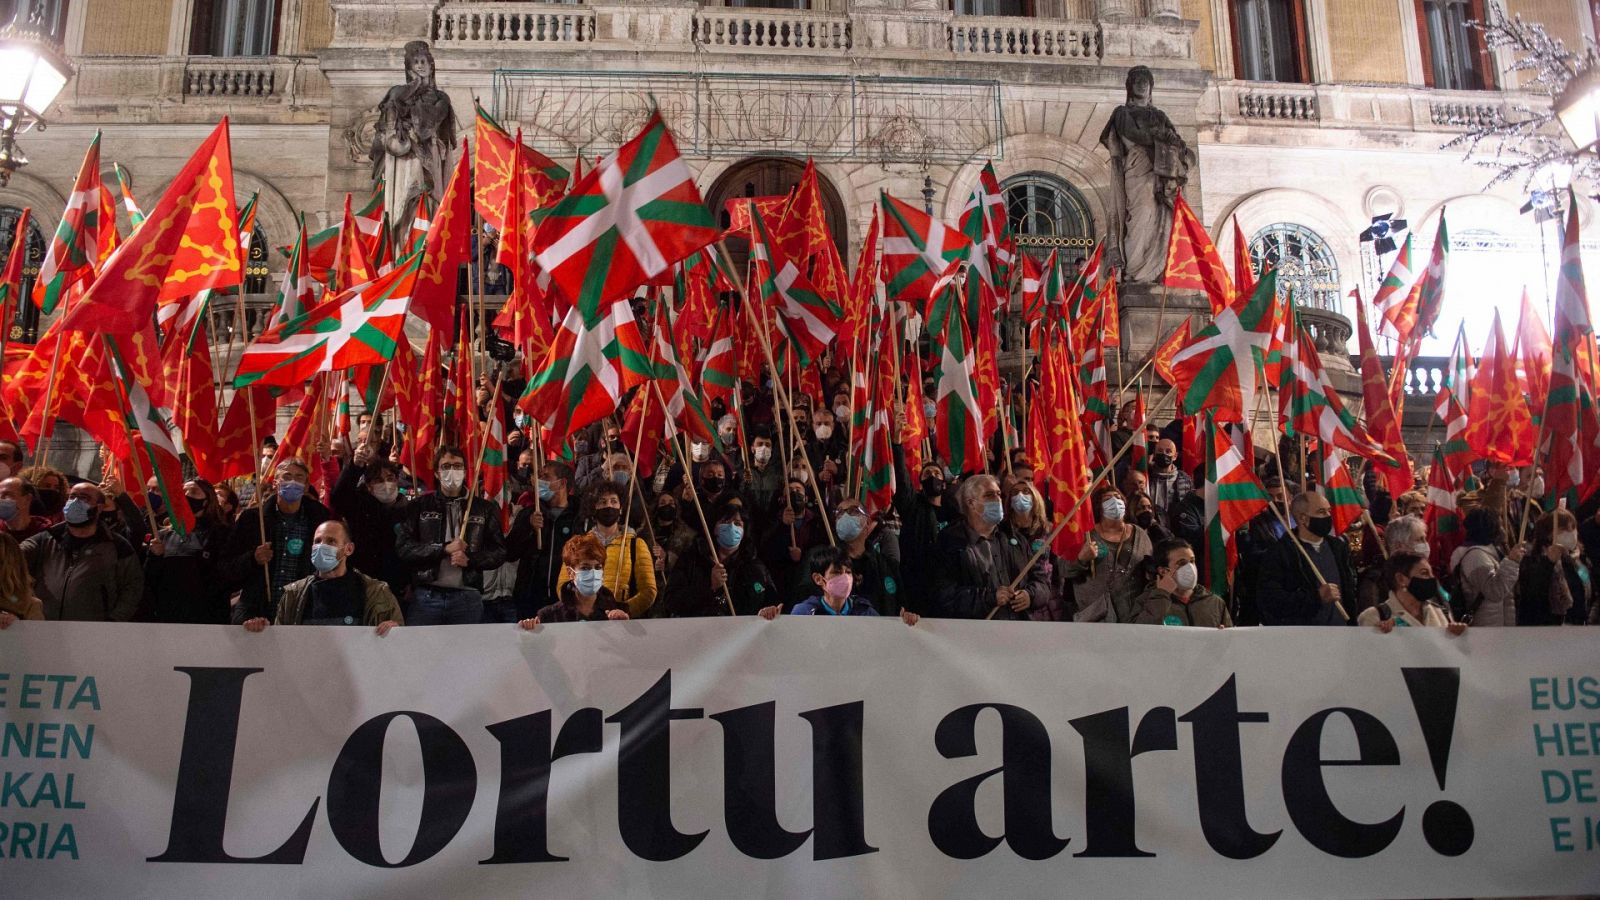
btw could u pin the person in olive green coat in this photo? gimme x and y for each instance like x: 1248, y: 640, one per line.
x: 1174, y: 595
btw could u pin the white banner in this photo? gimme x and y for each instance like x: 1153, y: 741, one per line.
x: 803, y: 757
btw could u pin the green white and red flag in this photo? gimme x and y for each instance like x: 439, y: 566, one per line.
x: 1532, y: 350
x: 801, y: 234
x: 874, y: 393
x: 298, y: 294
x: 1383, y: 425
x: 958, y: 431
x: 1346, y: 501
x: 918, y: 252
x: 72, y: 253
x: 1193, y: 262
x: 358, y: 327
x: 149, y: 435
x: 1233, y: 496
x: 421, y: 221
x: 1445, y: 529
x: 129, y: 205
x: 986, y: 225
x: 685, y: 411
x: 809, y: 321
x: 589, y: 367
x: 196, y: 249
x: 1396, y: 300
x: 1309, y: 404
x: 1032, y: 288
x: 369, y: 221
x: 718, y: 373
x: 1083, y: 294
x: 630, y: 218
x: 862, y: 297
x: 1097, y: 411
x: 1139, y: 453
x: 1565, y: 414
x: 1220, y: 367
x: 1430, y: 291
x: 1452, y: 402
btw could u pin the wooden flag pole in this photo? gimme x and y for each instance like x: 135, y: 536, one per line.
x: 128, y: 429
x: 694, y: 495
x: 255, y: 442
x: 483, y: 437
x: 633, y: 481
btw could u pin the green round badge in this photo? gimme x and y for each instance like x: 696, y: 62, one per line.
x: 889, y: 586
x: 1172, y: 620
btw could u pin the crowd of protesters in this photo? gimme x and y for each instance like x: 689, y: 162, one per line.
x: 733, y: 528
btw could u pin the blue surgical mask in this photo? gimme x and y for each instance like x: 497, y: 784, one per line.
x: 587, y: 582
x: 620, y: 476
x: 546, y: 492
x: 77, y: 511
x: 1022, y: 504
x: 729, y: 535
x: 291, y: 491
x: 325, y: 557
x: 849, y: 527
x: 994, y: 512
x: 8, y: 509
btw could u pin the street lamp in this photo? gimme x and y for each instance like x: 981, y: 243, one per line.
x: 33, y: 70
x: 1578, y: 106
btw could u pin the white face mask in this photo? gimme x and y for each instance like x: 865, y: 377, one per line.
x: 823, y: 432
x: 842, y: 411
x: 699, y: 452
x: 1536, y: 489
x: 1187, y: 576
x: 1113, y: 508
x: 452, y: 480
x: 386, y: 492
x: 1422, y: 549
x: 801, y: 476
x: 1567, y: 540
x: 762, y: 455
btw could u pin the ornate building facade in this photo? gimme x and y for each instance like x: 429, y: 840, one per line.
x: 1309, y: 117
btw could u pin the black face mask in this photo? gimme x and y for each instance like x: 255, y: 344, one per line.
x: 524, y: 473
x: 607, y: 516
x: 797, y: 499
x: 616, y: 446
x: 51, y: 501
x: 712, y: 485
x: 1424, y: 588
x: 1160, y: 460
x: 933, y: 487
x: 1321, y: 526
x: 666, y: 515
x: 1145, y: 519
x: 196, y: 504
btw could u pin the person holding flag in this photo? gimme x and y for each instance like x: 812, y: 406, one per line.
x: 450, y: 538
x: 1291, y: 592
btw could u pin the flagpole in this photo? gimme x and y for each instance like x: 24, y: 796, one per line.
x: 694, y: 494
x: 47, y: 420
x: 1044, y: 546
x: 633, y: 483
x: 483, y: 437
x: 127, y: 427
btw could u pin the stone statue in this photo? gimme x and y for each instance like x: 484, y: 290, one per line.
x: 412, y: 142
x: 1150, y: 163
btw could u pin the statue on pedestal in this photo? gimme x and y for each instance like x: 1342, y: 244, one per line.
x: 415, y: 135
x: 1150, y: 163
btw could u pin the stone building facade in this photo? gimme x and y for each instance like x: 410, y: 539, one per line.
x: 1308, y: 116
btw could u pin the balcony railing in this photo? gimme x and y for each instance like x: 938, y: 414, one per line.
x: 1023, y: 38
x: 770, y: 29
x: 1364, y: 106
x: 477, y: 24
x: 1283, y: 105
x: 250, y: 77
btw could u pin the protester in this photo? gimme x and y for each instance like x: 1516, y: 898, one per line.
x: 1554, y: 585
x: 629, y: 568
x: 1413, y: 597
x: 833, y: 591
x: 16, y: 510
x: 1291, y: 592
x: 1104, y: 576
x: 228, y: 503
x: 976, y: 559
x: 920, y: 502
x: 335, y: 593
x: 1168, y: 483
x: 875, y: 575
x: 762, y: 479
x: 270, y: 546
x: 183, y: 581
x: 1486, y: 575
x: 449, y: 539
x: 1174, y: 595
x: 704, y: 582
x: 367, y: 496
x: 584, y: 596
x: 1402, y: 534
x: 50, y: 490
x: 537, y: 536
x: 81, y: 571
x: 1026, y: 515
x: 17, y: 600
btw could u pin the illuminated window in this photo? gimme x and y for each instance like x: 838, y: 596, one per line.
x: 1046, y: 212
x: 1304, y: 262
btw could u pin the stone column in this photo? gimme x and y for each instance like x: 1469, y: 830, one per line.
x: 1166, y: 9
x: 370, y: 24
x: 1114, y: 9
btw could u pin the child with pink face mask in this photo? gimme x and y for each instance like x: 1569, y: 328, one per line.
x: 830, y: 572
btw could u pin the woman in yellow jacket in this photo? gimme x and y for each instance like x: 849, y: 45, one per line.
x: 630, y: 571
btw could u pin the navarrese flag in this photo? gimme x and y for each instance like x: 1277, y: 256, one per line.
x: 1244, y: 271
x: 1056, y: 440
x: 1383, y: 423
x: 631, y: 217
x: 71, y: 254
x: 1499, y: 425
x: 358, y: 327
x: 352, y: 264
x: 447, y: 246
x: 918, y: 251
x: 1192, y: 259
x: 1219, y: 368
x: 188, y: 244
x: 802, y: 236
x: 496, y: 165
x: 11, y: 276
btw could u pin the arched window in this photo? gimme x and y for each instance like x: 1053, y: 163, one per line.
x: 1046, y: 212
x: 258, y: 266
x: 772, y: 176
x: 1304, y: 262
x: 25, y: 324
x: 992, y: 7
